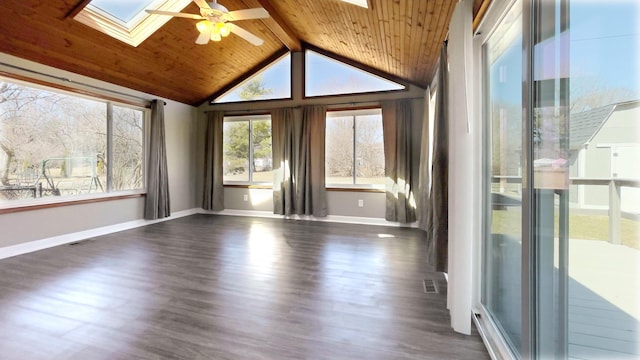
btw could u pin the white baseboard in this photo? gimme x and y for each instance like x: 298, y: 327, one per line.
x: 41, y: 244
x: 19, y: 249
x: 329, y: 218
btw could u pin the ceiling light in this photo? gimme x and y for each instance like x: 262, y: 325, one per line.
x: 215, y: 36
x: 225, y: 29
x: 203, y: 25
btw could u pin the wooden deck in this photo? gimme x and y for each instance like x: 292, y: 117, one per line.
x: 221, y: 287
x: 604, y: 318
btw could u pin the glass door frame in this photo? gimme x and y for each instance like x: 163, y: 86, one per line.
x: 529, y: 255
x: 489, y: 330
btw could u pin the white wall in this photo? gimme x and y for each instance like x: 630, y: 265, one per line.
x: 180, y: 130
x: 180, y: 119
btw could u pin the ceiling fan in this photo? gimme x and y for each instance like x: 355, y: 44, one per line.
x: 217, y: 21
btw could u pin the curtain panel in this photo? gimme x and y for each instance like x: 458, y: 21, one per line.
x: 157, y: 204
x: 213, y: 197
x: 437, y: 208
x: 399, y: 173
x: 298, y: 155
x: 424, y: 173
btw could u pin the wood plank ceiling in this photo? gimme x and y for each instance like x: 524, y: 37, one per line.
x: 398, y: 37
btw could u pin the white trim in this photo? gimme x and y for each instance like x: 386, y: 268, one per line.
x: 462, y: 217
x: 329, y: 218
x: 36, y: 245
x: 19, y: 249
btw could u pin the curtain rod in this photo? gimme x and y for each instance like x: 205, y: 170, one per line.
x: 352, y: 103
x: 63, y: 79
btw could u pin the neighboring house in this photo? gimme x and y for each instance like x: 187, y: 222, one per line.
x: 605, y: 144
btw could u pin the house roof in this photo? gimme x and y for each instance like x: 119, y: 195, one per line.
x: 583, y: 126
x: 400, y: 38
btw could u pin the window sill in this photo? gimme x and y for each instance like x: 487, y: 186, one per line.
x: 29, y: 205
x: 249, y: 186
x: 356, y: 189
x: 328, y: 188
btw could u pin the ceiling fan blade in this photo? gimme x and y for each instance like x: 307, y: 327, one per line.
x: 175, y: 14
x: 245, y: 35
x: 204, y: 37
x: 202, y: 4
x: 247, y: 14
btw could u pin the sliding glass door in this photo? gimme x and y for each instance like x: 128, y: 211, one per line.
x: 585, y: 147
x: 561, y: 245
x: 501, y: 290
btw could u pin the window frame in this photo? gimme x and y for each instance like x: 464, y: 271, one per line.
x: 258, y: 70
x: 108, y: 193
x: 136, y: 30
x: 250, y: 119
x: 354, y: 113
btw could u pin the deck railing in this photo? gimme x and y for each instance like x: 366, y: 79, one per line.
x: 615, y: 204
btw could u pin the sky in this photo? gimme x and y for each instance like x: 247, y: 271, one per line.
x: 276, y: 77
x: 324, y: 76
x: 124, y: 10
x: 604, y: 49
x: 605, y: 42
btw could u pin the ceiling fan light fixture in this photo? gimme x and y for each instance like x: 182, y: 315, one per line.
x: 215, y: 29
x: 204, y: 25
x: 224, y: 29
x: 215, y: 36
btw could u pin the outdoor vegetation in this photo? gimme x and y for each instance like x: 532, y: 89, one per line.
x: 246, y: 160
x: 581, y: 227
x: 362, y: 133
x: 56, y: 144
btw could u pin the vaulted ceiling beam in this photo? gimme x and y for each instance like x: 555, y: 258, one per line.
x: 277, y: 25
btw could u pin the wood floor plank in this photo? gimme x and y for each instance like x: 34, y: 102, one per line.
x: 221, y: 287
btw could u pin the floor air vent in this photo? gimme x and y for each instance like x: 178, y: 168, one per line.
x: 79, y: 242
x: 430, y: 286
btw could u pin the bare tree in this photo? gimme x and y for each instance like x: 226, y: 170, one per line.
x: 128, y: 148
x: 339, y: 147
x: 589, y: 93
x: 21, y: 130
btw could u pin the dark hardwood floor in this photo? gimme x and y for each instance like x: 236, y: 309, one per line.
x: 222, y: 287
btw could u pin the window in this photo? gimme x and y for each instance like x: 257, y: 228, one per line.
x: 354, y: 148
x: 327, y: 76
x: 128, y: 148
x: 128, y: 21
x: 271, y: 82
x: 60, y: 144
x: 247, y: 150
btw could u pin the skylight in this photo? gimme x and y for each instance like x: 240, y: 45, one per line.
x: 327, y: 76
x: 123, y: 10
x: 127, y: 20
x: 362, y: 3
x: 272, y: 82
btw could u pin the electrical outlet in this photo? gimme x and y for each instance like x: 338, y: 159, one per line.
x: 360, y: 203
x: 245, y: 197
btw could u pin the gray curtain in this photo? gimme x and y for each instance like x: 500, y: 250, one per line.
x: 298, y: 158
x: 424, y: 173
x: 157, y: 200
x: 399, y: 174
x: 438, y: 221
x: 213, y: 197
